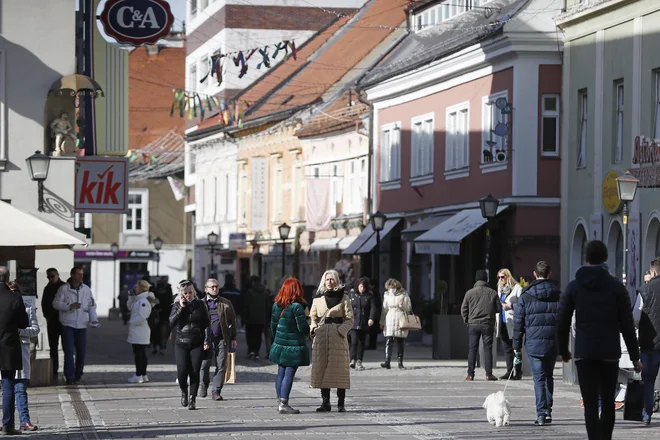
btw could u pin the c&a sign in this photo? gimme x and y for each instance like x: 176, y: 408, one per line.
x: 137, y: 22
x: 102, y: 184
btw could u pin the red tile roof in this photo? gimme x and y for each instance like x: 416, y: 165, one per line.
x: 344, y: 112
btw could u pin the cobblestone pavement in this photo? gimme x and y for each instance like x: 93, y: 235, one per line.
x: 430, y: 400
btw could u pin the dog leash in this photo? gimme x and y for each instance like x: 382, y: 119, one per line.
x: 507, y: 381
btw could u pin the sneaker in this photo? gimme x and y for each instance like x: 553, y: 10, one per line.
x: 135, y: 379
x: 256, y: 357
x: 540, y: 421
x: 215, y: 395
x: 251, y: 355
x: 548, y: 417
x: 352, y: 364
x: 359, y: 366
x: 145, y: 378
x: 646, y: 418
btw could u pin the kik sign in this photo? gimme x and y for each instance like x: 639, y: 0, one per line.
x: 137, y: 22
x: 102, y: 185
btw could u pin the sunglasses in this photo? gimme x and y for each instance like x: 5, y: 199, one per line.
x: 502, y: 277
x: 212, y: 287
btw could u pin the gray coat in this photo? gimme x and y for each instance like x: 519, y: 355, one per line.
x: 31, y: 331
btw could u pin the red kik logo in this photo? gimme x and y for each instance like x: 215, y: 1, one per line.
x: 100, y: 191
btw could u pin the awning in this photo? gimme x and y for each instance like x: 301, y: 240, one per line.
x: 359, y: 241
x: 370, y: 244
x: 445, y: 238
x: 421, y: 227
x: 331, y: 244
x: 22, y: 229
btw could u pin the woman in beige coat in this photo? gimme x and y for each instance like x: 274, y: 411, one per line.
x: 332, y: 317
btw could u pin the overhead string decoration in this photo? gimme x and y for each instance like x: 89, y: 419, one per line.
x: 265, y: 58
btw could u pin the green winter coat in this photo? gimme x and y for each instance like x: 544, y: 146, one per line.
x: 290, y: 332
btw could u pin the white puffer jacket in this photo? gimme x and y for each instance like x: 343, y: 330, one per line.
x: 395, y: 306
x: 77, y: 318
x: 138, y: 327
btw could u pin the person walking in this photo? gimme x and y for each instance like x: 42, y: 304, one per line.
x: 602, y: 312
x: 230, y: 291
x: 396, y: 303
x: 190, y: 318
x: 23, y: 376
x: 509, y: 291
x: 77, y: 308
x: 256, y: 303
x: 289, y: 349
x: 123, y: 304
x: 13, y: 318
x: 223, y: 338
x: 535, y: 320
x: 480, y: 307
x: 52, y: 315
x: 140, y: 303
x: 375, y: 330
x: 331, y: 318
x: 158, y: 320
x: 364, y: 316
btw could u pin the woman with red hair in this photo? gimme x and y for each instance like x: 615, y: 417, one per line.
x: 290, y: 328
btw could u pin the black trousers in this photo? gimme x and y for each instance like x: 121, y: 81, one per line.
x: 598, y: 379
x: 508, y: 349
x: 188, y: 365
x: 54, y: 334
x: 389, y: 346
x: 341, y: 395
x: 159, y: 333
x: 357, y: 338
x: 253, y: 334
x: 477, y: 332
x: 141, y: 361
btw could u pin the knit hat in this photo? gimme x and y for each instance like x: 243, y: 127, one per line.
x: 481, y: 275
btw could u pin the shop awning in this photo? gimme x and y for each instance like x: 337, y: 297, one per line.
x: 331, y: 244
x: 20, y: 228
x: 445, y: 238
x: 353, y: 248
x: 421, y: 227
x: 370, y: 244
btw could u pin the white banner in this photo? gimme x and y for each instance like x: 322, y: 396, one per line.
x: 259, y: 220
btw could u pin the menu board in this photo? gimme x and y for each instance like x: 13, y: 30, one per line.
x: 27, y: 279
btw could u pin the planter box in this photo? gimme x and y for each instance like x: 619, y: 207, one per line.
x: 450, y: 337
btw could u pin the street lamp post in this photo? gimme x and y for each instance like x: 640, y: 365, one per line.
x: 213, y: 240
x: 488, y: 206
x: 114, y: 248
x: 377, y: 224
x: 158, y: 245
x: 38, y: 165
x: 626, y: 186
x: 284, y: 235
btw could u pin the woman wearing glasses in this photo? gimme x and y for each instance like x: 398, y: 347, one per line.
x: 509, y: 291
x: 191, y: 319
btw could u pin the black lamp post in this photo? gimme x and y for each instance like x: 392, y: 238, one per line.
x: 284, y: 234
x: 213, y: 240
x: 377, y: 221
x: 488, y: 206
x: 158, y: 245
x: 626, y: 186
x: 114, y: 248
x: 38, y: 165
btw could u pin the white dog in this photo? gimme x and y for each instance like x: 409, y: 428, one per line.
x: 497, y: 409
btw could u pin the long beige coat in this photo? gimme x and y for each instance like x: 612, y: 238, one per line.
x: 330, y: 357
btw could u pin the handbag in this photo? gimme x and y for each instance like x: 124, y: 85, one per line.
x: 410, y: 321
x: 634, y: 401
x: 230, y: 373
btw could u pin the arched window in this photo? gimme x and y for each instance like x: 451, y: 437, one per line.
x: 578, y: 249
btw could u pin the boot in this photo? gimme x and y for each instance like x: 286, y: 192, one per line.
x: 325, y: 406
x: 388, y: 353
x: 284, y: 407
x: 341, y: 398
x: 191, y: 405
x: 184, y: 398
x: 401, y: 367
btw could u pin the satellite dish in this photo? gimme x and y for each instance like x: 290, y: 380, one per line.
x: 501, y: 103
x: 501, y: 129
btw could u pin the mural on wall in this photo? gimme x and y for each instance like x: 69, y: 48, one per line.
x: 634, y: 250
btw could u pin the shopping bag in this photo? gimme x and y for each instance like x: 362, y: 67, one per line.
x: 230, y: 374
x: 634, y: 402
x: 409, y: 321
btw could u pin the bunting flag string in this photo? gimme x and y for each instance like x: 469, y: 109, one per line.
x: 144, y: 157
x: 230, y: 111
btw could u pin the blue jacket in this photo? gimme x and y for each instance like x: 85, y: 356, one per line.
x: 535, y: 318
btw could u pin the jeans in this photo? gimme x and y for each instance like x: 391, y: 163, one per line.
x: 74, y: 339
x: 651, y: 361
x: 8, y: 395
x: 253, y: 334
x: 284, y: 381
x: 188, y: 364
x: 357, y: 338
x: 598, y: 378
x: 141, y: 361
x: 54, y: 333
x: 219, y: 350
x: 544, y: 383
x: 508, y: 350
x: 20, y: 389
x: 477, y: 332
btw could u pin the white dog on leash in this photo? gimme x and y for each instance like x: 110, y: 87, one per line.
x: 497, y: 409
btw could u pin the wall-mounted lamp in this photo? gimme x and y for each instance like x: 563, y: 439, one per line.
x: 38, y: 165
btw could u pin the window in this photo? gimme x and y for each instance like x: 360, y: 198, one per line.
x: 204, y: 69
x: 193, y: 77
x: 193, y: 8
x: 583, y: 104
x: 656, y: 105
x: 445, y: 11
x: 458, y: 133
x: 390, y: 153
x: 242, y: 195
x: 618, y: 121
x: 491, y: 116
x: 276, y: 196
x: 336, y: 187
x: 136, y: 219
x: 353, y: 190
x: 364, y: 182
x: 296, y: 189
x: 421, y: 151
x: 82, y: 223
x: 550, y: 125
x: 215, y: 198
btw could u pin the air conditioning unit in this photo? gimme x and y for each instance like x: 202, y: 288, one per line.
x: 501, y: 156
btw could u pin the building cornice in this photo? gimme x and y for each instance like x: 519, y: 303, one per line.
x: 526, y: 201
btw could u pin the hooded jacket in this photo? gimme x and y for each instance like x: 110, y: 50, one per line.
x: 140, y: 306
x: 76, y: 318
x: 602, y: 311
x: 536, y: 318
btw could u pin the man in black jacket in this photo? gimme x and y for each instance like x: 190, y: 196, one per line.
x: 536, y: 318
x: 480, y: 307
x: 52, y: 316
x: 602, y: 311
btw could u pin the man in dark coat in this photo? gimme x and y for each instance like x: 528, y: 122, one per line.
x: 535, y: 318
x: 256, y: 302
x: 230, y: 291
x: 602, y: 312
x: 12, y: 318
x: 53, y: 324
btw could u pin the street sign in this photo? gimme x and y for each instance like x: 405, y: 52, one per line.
x: 137, y: 22
x: 101, y: 185
x: 237, y: 240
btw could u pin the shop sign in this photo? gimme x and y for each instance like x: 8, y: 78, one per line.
x: 611, y: 200
x: 104, y: 254
x: 237, y: 240
x: 646, y: 152
x: 137, y: 22
x: 102, y: 185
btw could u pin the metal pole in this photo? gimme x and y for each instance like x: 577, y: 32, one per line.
x: 40, y: 186
x: 114, y: 281
x: 487, y: 254
x: 625, y: 246
x: 377, y: 256
x: 212, y: 271
x: 157, y: 263
x: 283, y: 259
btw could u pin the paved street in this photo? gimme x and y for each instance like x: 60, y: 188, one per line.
x: 428, y: 401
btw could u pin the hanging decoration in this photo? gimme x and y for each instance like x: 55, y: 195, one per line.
x: 144, y: 157
x: 192, y: 104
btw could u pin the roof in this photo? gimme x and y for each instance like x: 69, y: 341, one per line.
x: 321, y: 63
x: 342, y: 113
x: 161, y: 158
x: 421, y: 48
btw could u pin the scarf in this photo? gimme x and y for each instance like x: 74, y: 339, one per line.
x: 333, y: 297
